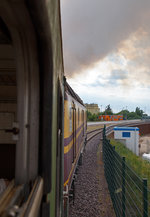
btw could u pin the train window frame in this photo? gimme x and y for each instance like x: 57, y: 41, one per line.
x: 83, y: 120
x: 70, y: 119
x: 83, y: 116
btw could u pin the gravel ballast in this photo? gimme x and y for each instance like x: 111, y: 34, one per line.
x: 92, y: 198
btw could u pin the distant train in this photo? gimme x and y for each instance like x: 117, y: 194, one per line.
x: 111, y: 117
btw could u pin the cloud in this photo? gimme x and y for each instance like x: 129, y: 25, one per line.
x: 95, y: 84
x: 118, y: 75
x: 93, y: 29
x: 136, y: 51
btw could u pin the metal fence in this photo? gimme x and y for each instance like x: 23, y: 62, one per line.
x: 129, y: 193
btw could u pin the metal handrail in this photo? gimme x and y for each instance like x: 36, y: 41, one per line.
x: 13, y: 202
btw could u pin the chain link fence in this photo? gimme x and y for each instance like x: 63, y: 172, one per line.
x: 129, y: 193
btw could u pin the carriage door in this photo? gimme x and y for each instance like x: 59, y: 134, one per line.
x: 60, y: 152
x: 8, y: 105
x: 19, y: 93
x: 83, y: 122
x: 74, y: 131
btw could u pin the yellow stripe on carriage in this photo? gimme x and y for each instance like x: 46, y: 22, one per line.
x: 68, y: 147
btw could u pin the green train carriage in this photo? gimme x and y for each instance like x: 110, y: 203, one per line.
x: 31, y: 108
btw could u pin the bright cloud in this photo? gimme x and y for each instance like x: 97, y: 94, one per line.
x: 107, y: 51
x: 119, y: 77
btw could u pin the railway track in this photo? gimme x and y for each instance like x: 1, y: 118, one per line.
x: 87, y: 187
x: 91, y: 134
x: 90, y: 183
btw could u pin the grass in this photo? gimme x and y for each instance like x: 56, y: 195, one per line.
x: 134, y: 185
x: 139, y: 165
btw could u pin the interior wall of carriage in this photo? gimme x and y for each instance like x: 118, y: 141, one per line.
x: 19, y: 93
x: 74, y: 132
x: 8, y: 104
x: 35, y: 61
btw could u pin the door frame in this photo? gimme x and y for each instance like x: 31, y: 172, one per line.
x: 74, y: 129
x: 17, y: 19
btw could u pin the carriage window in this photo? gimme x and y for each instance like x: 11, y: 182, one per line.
x: 82, y: 116
x: 78, y: 117
x: 70, y: 119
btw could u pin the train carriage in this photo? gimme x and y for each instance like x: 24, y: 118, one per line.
x: 35, y: 165
x: 74, y: 134
x: 31, y: 108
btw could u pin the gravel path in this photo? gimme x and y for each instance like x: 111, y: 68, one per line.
x: 91, y: 193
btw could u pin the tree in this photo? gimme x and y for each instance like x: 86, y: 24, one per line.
x: 89, y: 116
x: 92, y: 117
x: 108, y: 110
x: 139, y: 112
x: 132, y: 116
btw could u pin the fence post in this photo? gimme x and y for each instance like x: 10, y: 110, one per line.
x: 104, y: 130
x: 104, y: 144
x: 123, y: 188
x: 113, y: 174
x: 145, y: 198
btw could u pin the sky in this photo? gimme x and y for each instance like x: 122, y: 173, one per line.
x: 106, y: 47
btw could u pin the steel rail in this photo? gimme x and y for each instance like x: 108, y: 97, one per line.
x: 109, y: 129
x: 91, y: 131
x: 94, y: 134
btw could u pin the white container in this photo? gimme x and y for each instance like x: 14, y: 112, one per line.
x: 129, y: 136
x: 146, y: 157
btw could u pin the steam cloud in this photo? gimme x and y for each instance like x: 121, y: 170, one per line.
x: 92, y: 29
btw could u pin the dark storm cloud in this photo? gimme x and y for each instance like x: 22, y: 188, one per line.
x: 92, y: 29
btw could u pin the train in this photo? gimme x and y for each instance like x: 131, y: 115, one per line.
x: 74, y: 139
x: 37, y: 164
x: 111, y: 117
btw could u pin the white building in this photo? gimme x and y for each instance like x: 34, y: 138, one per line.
x: 129, y: 136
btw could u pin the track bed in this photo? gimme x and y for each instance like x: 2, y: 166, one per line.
x: 91, y: 192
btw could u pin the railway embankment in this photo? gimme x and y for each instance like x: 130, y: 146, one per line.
x: 140, y: 166
x: 144, y: 132
x: 92, y: 197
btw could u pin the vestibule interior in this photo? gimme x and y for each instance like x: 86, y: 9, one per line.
x: 8, y: 104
